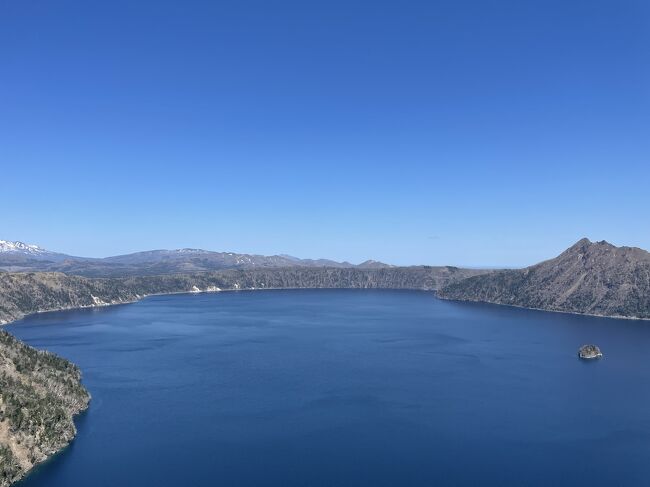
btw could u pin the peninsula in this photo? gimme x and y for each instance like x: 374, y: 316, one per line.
x: 40, y: 393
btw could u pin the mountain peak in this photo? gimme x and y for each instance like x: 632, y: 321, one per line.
x: 581, y: 244
x: 585, y: 245
x: 9, y: 246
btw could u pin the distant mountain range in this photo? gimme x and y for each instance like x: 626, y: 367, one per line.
x: 18, y: 257
x: 590, y: 277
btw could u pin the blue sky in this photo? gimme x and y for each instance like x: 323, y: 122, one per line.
x: 440, y: 132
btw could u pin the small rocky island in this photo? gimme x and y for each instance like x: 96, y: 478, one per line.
x: 589, y: 352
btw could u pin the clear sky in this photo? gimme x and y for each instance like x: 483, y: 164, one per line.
x: 442, y: 132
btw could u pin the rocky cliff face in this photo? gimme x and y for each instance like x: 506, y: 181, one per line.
x: 589, y: 277
x: 25, y: 293
x: 39, y: 395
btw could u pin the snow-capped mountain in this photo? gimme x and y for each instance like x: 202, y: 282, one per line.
x: 22, y: 248
x: 15, y: 253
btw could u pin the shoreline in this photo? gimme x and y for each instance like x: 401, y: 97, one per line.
x: 212, y: 291
x: 592, y: 315
x: 172, y: 293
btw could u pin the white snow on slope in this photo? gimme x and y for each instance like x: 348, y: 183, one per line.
x: 22, y: 248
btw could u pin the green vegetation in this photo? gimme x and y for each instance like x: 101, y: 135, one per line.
x: 39, y: 395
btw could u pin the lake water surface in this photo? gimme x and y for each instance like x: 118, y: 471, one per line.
x: 348, y: 388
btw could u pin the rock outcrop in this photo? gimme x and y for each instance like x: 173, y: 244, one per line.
x: 589, y: 352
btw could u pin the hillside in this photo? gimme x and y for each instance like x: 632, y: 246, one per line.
x: 39, y: 395
x: 590, y: 277
x: 25, y: 293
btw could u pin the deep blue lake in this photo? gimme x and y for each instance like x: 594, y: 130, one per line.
x: 348, y: 388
